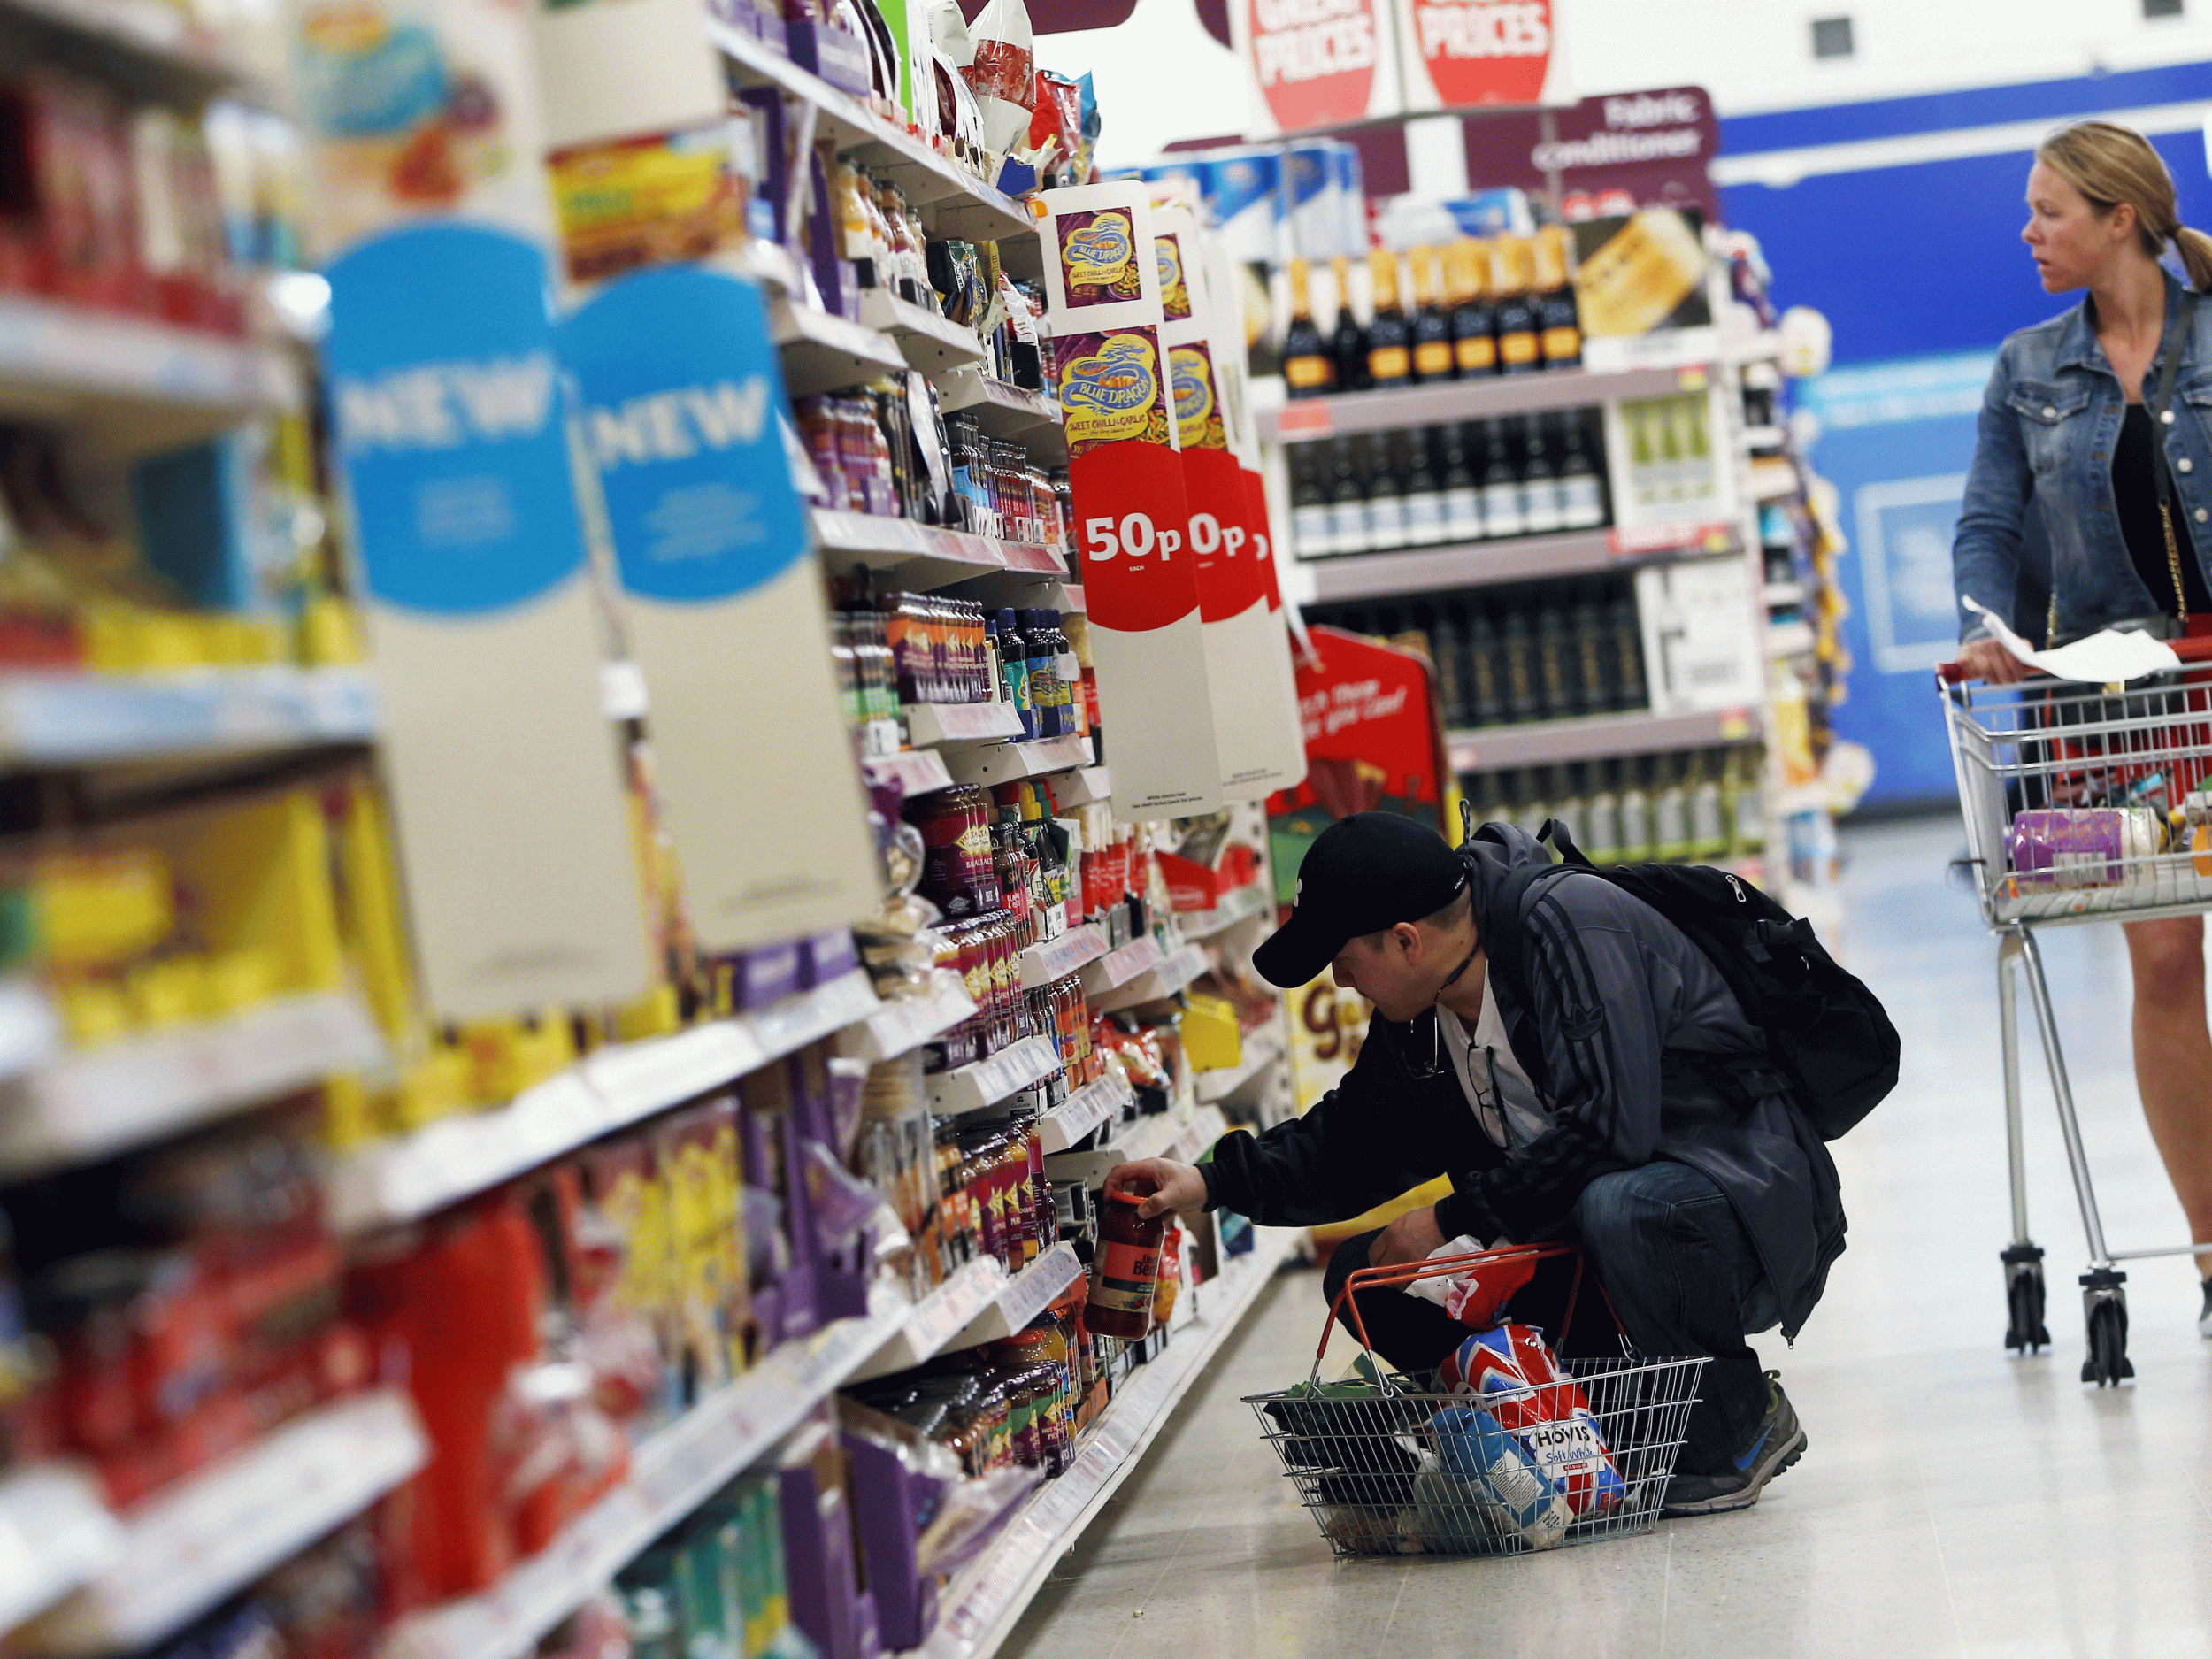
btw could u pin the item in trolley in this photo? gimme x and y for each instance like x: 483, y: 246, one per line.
x: 2080, y: 847
x: 1511, y: 1371
x: 1486, y: 1484
x: 2197, y: 826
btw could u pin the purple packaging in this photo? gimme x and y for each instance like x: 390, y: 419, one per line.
x: 836, y: 54
x: 824, y: 956
x: 2068, y: 847
x: 764, y: 974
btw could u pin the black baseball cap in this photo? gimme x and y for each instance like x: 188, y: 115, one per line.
x: 1362, y: 874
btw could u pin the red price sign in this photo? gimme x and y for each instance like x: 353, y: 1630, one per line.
x: 1484, y: 51
x: 1314, y: 61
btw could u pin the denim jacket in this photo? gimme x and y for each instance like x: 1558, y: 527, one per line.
x: 2049, y: 421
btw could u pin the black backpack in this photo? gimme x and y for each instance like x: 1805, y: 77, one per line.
x: 1824, y: 1028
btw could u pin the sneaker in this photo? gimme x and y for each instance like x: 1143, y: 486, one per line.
x: 2204, y: 1319
x: 1779, y: 1442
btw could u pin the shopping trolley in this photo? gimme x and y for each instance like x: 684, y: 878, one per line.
x: 1368, y: 1467
x: 2066, y: 790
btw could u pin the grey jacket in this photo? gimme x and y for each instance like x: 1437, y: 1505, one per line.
x: 1643, y: 1051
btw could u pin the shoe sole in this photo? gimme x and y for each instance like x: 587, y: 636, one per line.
x: 1773, y: 1465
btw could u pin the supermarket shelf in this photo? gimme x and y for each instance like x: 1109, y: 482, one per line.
x: 1240, y: 904
x: 1028, y: 418
x: 1171, y: 976
x: 1764, y: 346
x: 1260, y: 1052
x: 1311, y: 417
x: 1557, y: 742
x: 982, y: 1606
x: 916, y: 771
x: 987, y: 1082
x: 194, y: 1544
x: 900, y: 1027
x: 1773, y: 478
x: 30, y: 1030
x: 1790, y: 639
x: 82, y: 1104
x: 151, y: 47
x: 1762, y: 437
x: 1003, y: 762
x: 930, y: 724
x: 399, y: 1180
x: 673, y: 1472
x: 1117, y: 967
x: 930, y: 342
x: 1783, y: 594
x: 936, y: 1319
x: 1514, y: 559
x: 823, y: 352
x: 1084, y: 1110
x: 55, y: 1535
x: 1083, y: 787
x: 1028, y: 1294
x: 1024, y: 588
x: 63, y: 719
x: 147, y: 384
x: 1159, y: 1135
x: 1056, y: 958
x: 952, y: 202
x: 924, y: 556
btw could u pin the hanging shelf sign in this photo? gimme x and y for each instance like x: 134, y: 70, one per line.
x: 451, y: 437
x: 722, y: 605
x: 1132, y: 517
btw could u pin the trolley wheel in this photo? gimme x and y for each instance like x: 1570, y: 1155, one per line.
x: 2025, y: 1331
x: 2106, y: 1305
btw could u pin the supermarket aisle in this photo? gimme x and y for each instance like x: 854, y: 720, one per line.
x: 1954, y: 1502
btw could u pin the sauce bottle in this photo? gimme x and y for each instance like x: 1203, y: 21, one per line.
x: 1126, y: 1269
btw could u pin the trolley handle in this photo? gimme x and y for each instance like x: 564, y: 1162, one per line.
x: 2196, y: 650
x: 1442, y: 1266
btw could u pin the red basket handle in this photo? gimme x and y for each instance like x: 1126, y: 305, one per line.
x: 2194, y: 649
x: 1405, y: 1273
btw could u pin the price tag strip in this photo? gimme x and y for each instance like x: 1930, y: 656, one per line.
x: 1028, y: 1294
x: 1083, y: 1111
x: 403, y: 1179
x: 1125, y: 965
x: 987, y: 1082
x: 1056, y: 958
x: 82, y: 1105
x: 980, y: 1609
x: 897, y: 1028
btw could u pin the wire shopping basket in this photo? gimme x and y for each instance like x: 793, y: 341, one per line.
x: 1397, y: 1466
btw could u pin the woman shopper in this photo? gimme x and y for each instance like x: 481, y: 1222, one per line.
x: 2100, y: 421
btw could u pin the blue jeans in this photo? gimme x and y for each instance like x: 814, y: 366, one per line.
x: 1679, y: 1270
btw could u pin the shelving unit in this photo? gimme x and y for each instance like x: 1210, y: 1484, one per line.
x: 1516, y: 559
x: 1240, y: 905
x: 197, y: 1542
x: 58, y: 1535
x: 980, y: 1608
x: 1168, y: 976
x: 78, y: 719
x: 987, y: 1082
x: 1305, y: 420
x: 1262, y: 1054
x: 897, y: 1028
x: 1056, y: 958
x: 1554, y: 742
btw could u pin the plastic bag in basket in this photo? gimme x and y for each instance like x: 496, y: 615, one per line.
x: 1482, y: 1472
x: 1511, y: 1371
x: 1477, y: 1296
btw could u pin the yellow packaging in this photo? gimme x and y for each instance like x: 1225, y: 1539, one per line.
x: 92, y: 1011
x: 656, y: 1014
x: 1641, y: 274
x: 439, y: 1085
x: 645, y: 201
x: 1211, y: 1036
x: 234, y: 980
x: 168, y: 992
x: 101, y: 907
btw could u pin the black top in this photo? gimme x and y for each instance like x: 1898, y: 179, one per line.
x: 2135, y: 492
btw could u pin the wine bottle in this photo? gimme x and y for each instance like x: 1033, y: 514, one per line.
x: 1559, y: 321
x: 1520, y: 351
x: 1390, y: 336
x: 1444, y: 651
x: 1385, y: 497
x: 1571, y: 806
x: 1347, y: 505
x: 1670, y: 813
x: 1708, y: 818
x: 1586, y: 624
x: 1462, y: 496
x: 1432, y: 357
x: 1539, y: 484
x: 1312, y: 534
x: 1636, y: 827
x: 1628, y: 656
x: 1349, y: 345
x: 1601, y: 821
x: 1424, y: 492
x: 1309, y: 371
x: 1501, y: 506
x: 1581, y: 491
x: 1485, y: 670
x: 1474, y: 330
x: 1524, y: 692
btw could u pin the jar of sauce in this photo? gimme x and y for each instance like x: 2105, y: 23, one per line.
x: 1126, y: 1269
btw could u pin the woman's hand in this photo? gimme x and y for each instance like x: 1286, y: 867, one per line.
x: 1172, y: 1185
x: 1985, y: 659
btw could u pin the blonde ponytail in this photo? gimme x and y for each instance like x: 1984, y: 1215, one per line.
x: 2195, y: 248
x: 2110, y: 163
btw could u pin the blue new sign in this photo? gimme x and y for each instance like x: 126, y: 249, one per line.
x: 680, y: 389
x: 446, y: 404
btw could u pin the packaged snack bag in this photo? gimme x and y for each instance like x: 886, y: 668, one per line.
x: 1480, y: 1464
x: 1513, y: 1373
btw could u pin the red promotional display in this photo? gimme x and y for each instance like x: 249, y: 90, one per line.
x: 1316, y: 63
x: 1460, y: 53
x: 1131, y: 514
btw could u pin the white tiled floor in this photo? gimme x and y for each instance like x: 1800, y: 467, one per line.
x: 1955, y: 1501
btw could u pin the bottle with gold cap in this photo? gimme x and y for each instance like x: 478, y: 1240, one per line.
x: 1559, y: 321
x: 1520, y: 350
x: 1390, y: 336
x: 1432, y: 330
x: 1474, y: 330
x: 1308, y: 369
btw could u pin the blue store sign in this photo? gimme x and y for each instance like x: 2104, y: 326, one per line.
x: 681, y: 388
x: 446, y: 403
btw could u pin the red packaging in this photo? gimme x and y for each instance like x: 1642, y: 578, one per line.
x: 1059, y: 114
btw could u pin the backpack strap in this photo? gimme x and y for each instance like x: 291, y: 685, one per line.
x: 1503, y: 934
